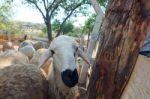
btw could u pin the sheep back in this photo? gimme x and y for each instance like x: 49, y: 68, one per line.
x: 22, y: 81
x: 25, y: 43
x: 10, y: 57
x: 27, y: 50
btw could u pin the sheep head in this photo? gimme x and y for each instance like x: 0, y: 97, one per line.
x: 64, y: 50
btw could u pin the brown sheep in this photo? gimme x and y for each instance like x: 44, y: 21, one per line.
x: 23, y: 81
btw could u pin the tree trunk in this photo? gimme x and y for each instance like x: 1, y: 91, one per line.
x: 49, y: 31
x: 124, y: 29
x: 47, y: 21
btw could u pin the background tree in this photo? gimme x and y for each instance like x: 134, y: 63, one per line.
x: 124, y: 29
x: 88, y: 26
x: 66, y: 28
x: 103, y: 3
x: 5, y: 13
x: 51, y: 8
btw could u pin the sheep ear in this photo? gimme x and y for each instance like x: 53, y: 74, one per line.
x: 44, y: 57
x: 82, y: 55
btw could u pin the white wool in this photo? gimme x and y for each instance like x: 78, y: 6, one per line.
x: 64, y: 40
x: 64, y: 52
x: 27, y: 50
x: 25, y: 43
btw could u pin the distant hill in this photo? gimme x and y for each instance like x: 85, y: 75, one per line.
x: 24, y: 28
x: 31, y: 28
x: 32, y: 25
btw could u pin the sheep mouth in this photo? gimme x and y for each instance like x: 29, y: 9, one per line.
x: 70, y: 78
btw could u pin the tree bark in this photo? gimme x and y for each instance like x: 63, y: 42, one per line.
x: 48, y: 26
x: 124, y: 29
x: 49, y: 32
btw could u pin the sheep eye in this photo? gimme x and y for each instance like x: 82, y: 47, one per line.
x: 52, y: 51
x: 75, y: 51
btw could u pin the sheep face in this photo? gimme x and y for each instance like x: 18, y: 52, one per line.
x: 65, y: 62
x: 64, y: 50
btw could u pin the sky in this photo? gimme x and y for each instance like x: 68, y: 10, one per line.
x: 27, y: 14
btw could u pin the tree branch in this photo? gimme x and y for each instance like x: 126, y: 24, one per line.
x: 61, y: 26
x: 34, y: 3
x: 56, y: 6
x: 50, y: 6
x: 40, y: 11
x: 45, y: 5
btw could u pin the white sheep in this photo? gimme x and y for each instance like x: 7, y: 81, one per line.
x: 22, y: 81
x: 138, y: 86
x: 27, y: 50
x: 10, y: 57
x: 63, y: 76
x: 7, y: 46
x: 36, y: 57
x: 25, y: 43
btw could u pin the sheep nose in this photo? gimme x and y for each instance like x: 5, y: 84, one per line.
x: 70, y: 78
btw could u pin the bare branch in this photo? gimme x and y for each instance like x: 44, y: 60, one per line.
x: 34, y: 3
x: 50, y: 6
x: 56, y: 6
x: 45, y: 5
x: 40, y: 11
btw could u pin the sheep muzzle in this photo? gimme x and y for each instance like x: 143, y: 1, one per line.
x: 70, y: 78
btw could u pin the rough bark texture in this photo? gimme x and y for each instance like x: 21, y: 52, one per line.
x: 124, y: 29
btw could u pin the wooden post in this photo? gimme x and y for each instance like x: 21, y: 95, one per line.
x: 93, y: 39
x: 124, y: 29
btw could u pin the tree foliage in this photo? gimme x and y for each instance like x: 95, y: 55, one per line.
x: 50, y: 9
x: 5, y: 9
x: 103, y: 3
x: 5, y: 13
x: 88, y: 25
x: 66, y: 28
